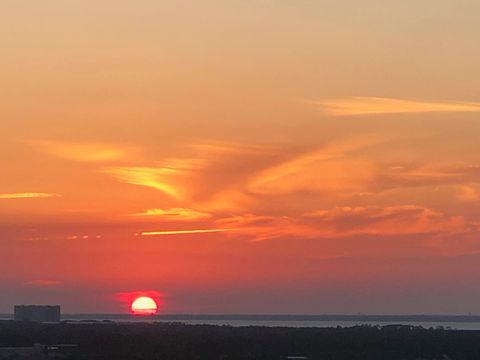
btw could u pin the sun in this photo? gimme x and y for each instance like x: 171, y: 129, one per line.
x: 144, y: 305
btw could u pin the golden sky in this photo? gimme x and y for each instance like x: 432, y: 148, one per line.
x: 241, y: 156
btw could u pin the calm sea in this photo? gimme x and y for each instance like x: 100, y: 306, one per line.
x: 458, y: 322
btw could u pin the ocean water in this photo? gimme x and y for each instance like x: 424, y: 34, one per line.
x: 456, y: 322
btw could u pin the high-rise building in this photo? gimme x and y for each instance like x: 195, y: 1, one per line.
x: 37, y: 313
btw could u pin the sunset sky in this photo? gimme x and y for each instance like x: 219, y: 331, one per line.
x: 241, y: 156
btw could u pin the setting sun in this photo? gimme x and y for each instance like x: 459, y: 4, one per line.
x: 144, y: 306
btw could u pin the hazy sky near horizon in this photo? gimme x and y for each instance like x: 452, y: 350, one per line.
x: 268, y: 156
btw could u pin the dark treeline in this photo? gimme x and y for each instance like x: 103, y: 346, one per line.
x: 110, y: 341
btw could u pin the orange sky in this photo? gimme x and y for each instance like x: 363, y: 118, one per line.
x: 241, y: 156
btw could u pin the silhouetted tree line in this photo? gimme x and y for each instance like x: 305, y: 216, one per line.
x: 163, y: 341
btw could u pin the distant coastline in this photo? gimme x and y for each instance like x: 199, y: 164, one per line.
x: 275, y: 317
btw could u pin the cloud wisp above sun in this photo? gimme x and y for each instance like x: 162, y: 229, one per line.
x: 352, y: 106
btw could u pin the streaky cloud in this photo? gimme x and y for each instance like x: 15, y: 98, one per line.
x: 27, y: 195
x: 352, y: 106
x: 183, y: 232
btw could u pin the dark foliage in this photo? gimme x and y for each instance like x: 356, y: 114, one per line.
x: 144, y: 341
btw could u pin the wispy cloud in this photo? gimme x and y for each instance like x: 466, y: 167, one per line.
x: 183, y: 232
x: 85, y: 151
x: 169, y: 176
x: 418, y: 174
x: 261, y: 227
x: 327, y: 168
x: 392, y: 220
x: 349, y: 221
x: 214, y: 169
x: 174, y: 214
x: 214, y: 180
x: 378, y: 105
x: 27, y: 195
x: 162, y: 178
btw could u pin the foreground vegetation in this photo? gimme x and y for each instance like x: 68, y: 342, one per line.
x: 176, y: 341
